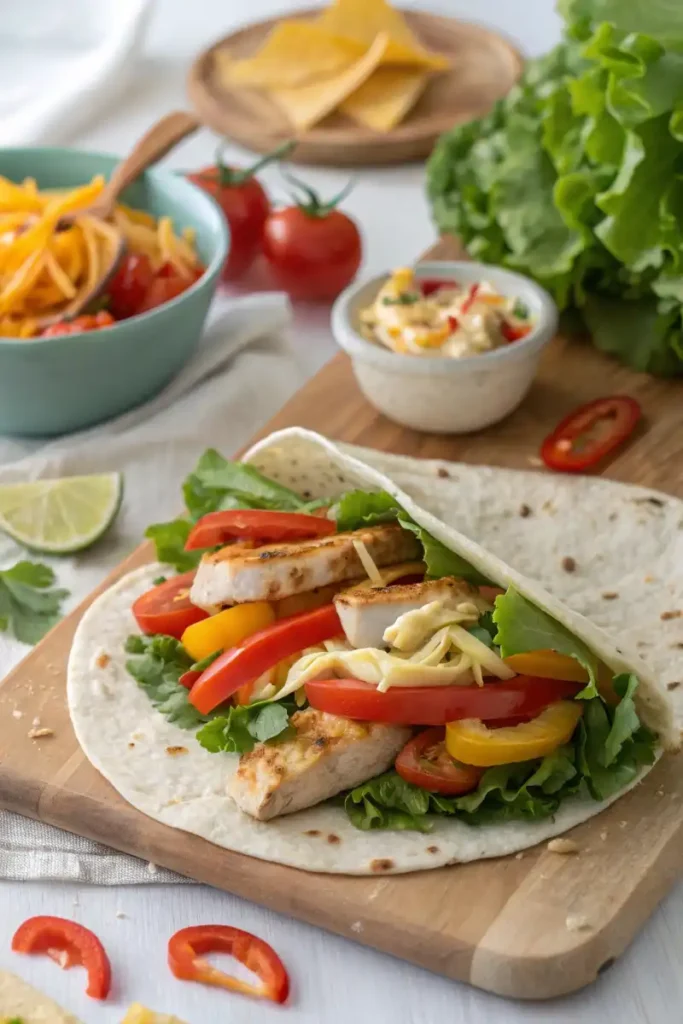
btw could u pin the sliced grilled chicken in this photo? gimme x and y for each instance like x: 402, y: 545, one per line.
x: 365, y: 613
x: 238, y: 573
x: 329, y: 755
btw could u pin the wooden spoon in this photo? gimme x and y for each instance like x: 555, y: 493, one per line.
x: 154, y: 144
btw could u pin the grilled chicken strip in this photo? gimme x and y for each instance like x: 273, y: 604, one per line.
x: 365, y: 613
x: 328, y: 755
x: 239, y: 573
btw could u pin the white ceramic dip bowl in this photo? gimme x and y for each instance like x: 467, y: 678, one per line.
x: 438, y: 393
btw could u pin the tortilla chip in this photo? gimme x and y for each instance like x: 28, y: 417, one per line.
x: 306, y: 105
x: 361, y: 20
x: 295, y: 53
x: 386, y: 97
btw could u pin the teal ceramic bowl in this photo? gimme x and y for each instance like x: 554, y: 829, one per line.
x: 52, y: 386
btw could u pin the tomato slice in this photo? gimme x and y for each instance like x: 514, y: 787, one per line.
x: 186, y: 947
x: 68, y: 944
x: 512, y: 699
x: 425, y: 762
x: 243, y: 664
x: 167, y: 608
x: 590, y: 433
x: 255, y: 524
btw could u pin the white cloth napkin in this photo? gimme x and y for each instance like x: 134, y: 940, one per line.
x: 62, y: 62
x: 243, y: 372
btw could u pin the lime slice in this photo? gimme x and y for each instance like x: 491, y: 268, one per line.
x: 60, y: 516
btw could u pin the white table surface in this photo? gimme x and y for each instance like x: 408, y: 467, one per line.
x: 333, y: 981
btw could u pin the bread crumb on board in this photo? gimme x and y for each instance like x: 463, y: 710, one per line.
x: 563, y: 845
x: 39, y: 734
x: 17, y: 713
x: 577, y: 923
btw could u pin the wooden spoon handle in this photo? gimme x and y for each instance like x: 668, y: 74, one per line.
x: 154, y: 144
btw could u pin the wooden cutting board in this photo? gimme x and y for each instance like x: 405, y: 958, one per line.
x: 485, y: 66
x: 532, y: 927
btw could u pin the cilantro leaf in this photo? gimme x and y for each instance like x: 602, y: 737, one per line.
x: 485, y: 630
x: 29, y: 605
x: 239, y: 728
x: 524, y: 627
x: 369, y: 508
x: 169, y: 540
x: 157, y: 664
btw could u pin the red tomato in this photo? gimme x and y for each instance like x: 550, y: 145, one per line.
x: 129, y: 285
x: 245, y: 205
x: 428, y: 285
x: 517, y: 698
x: 313, y: 249
x: 56, y: 936
x: 86, y: 322
x: 167, y: 608
x: 165, y: 286
x: 186, y: 958
x: 255, y: 524
x: 241, y: 665
x: 490, y: 593
x: 590, y: 433
x: 426, y: 763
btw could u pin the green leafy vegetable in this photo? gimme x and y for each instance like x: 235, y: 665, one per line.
x: 608, y: 749
x: 29, y: 606
x: 405, y: 299
x: 240, y: 728
x: 159, y: 580
x: 485, y: 630
x: 524, y: 627
x: 216, y: 484
x: 369, y: 508
x: 157, y: 664
x: 169, y: 540
x: 575, y: 177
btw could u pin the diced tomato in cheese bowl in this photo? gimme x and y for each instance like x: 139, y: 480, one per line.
x: 446, y: 346
x: 315, y: 655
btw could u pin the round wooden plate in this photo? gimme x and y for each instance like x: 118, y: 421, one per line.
x: 485, y: 67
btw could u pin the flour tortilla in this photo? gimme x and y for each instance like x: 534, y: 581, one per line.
x: 127, y: 740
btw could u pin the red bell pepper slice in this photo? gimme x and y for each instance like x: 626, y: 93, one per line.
x: 68, y: 944
x: 257, y: 525
x: 186, y: 947
x: 474, y: 289
x: 430, y: 285
x: 512, y: 332
x: 241, y: 665
x: 590, y: 433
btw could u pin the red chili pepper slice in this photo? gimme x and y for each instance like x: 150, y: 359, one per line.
x: 512, y: 333
x: 474, y: 289
x: 186, y: 947
x: 430, y: 285
x: 68, y: 944
x: 590, y: 433
x: 453, y: 323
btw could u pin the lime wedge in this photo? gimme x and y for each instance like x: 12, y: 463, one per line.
x: 60, y: 516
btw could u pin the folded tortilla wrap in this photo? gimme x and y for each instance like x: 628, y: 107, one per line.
x: 162, y: 770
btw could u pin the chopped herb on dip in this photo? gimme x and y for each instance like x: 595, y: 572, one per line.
x: 432, y: 317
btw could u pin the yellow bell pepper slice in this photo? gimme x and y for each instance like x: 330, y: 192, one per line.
x: 226, y: 629
x: 547, y: 664
x: 472, y: 742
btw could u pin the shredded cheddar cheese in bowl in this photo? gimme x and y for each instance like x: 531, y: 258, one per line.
x: 43, y: 270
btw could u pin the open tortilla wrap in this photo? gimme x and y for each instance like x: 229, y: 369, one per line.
x: 161, y: 769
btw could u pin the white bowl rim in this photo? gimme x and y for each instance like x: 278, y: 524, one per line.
x: 212, y: 269
x: 355, y: 345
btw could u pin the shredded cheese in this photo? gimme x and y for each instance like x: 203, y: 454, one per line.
x: 366, y: 561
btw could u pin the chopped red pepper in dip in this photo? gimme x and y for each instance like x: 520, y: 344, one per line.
x: 186, y: 947
x: 68, y: 944
x: 590, y: 433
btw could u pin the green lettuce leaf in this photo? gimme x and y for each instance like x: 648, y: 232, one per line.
x: 239, y: 729
x: 369, y: 508
x: 576, y: 177
x: 216, y: 484
x: 29, y: 604
x: 157, y: 663
x: 524, y: 627
x: 169, y: 541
